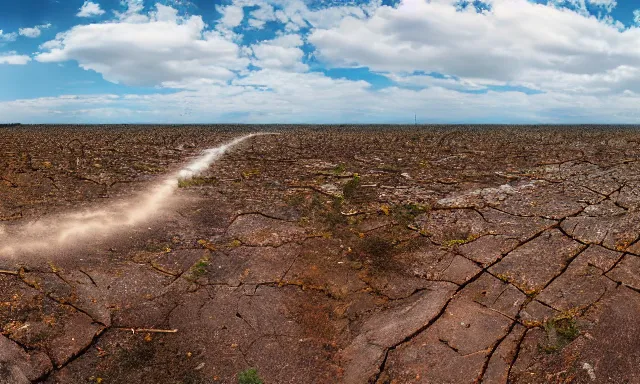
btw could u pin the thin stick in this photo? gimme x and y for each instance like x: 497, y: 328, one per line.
x: 147, y: 330
x: 2, y: 271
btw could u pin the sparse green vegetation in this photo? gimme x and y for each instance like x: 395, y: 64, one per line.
x: 339, y: 169
x: 350, y: 187
x: 200, y: 267
x: 196, y: 182
x: 405, y: 214
x: 147, y: 168
x: 153, y: 246
x: 332, y: 214
x: 561, y: 331
x: 455, y: 242
x: 502, y: 277
x: 234, y: 243
x: 295, y: 200
x: 249, y: 376
x: 390, y: 168
x: 250, y: 173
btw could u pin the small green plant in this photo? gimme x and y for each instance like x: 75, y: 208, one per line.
x: 249, y: 376
x: 453, y: 242
x: 333, y: 215
x: 504, y: 278
x: 561, y: 331
x: 295, y: 200
x: 200, y: 267
x: 195, y: 182
x: 406, y: 213
x: 339, y: 169
x: 390, y: 168
x: 142, y: 167
x: 350, y: 187
x: 250, y: 173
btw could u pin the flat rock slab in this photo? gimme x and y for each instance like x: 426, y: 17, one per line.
x: 605, y: 352
x: 550, y: 201
x: 452, y: 350
x: 614, y: 232
x: 509, y: 225
x: 433, y: 262
x: 19, y: 365
x: 444, y: 226
x: 500, y: 362
x: 259, y: 231
x: 252, y: 265
x: 534, y: 264
x: 362, y: 358
x: 495, y: 294
x: 79, y: 331
x: 627, y: 271
x: 580, y: 286
x: 613, y: 351
x: 44, y: 325
x: 489, y: 248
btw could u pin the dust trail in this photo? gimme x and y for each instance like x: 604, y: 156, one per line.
x: 73, y: 228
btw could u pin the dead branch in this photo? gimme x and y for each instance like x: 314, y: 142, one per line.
x: 147, y: 330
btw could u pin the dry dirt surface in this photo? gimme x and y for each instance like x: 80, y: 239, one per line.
x: 323, y: 255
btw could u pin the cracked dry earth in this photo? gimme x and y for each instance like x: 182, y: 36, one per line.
x: 327, y: 255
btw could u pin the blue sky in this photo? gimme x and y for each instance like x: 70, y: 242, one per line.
x: 319, y: 61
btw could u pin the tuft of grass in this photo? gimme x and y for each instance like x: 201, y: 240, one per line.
x: 561, y: 331
x: 332, y: 214
x: 234, y: 243
x: 295, y: 200
x: 339, y: 169
x: 406, y: 214
x: 456, y: 242
x: 142, y: 167
x: 196, y: 181
x: 206, y: 245
x: 249, y: 376
x: 504, y: 278
x: 157, y: 247
x: 200, y: 267
x: 248, y: 174
x: 390, y: 168
x: 349, y: 189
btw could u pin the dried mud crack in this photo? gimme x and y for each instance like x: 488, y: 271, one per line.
x: 478, y: 255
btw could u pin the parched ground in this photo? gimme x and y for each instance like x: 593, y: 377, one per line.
x: 329, y: 255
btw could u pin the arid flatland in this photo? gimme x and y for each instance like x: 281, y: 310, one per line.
x: 325, y: 255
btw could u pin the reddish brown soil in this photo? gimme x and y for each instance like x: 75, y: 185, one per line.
x: 433, y: 255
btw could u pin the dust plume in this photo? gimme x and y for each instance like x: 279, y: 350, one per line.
x: 71, y: 229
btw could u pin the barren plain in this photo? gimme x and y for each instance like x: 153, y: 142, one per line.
x: 320, y: 255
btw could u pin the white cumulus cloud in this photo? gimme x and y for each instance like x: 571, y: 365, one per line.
x: 12, y: 58
x: 7, y: 37
x: 232, y: 16
x: 164, y: 48
x: 34, y: 31
x: 90, y: 9
x: 283, y: 52
x: 516, y: 41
